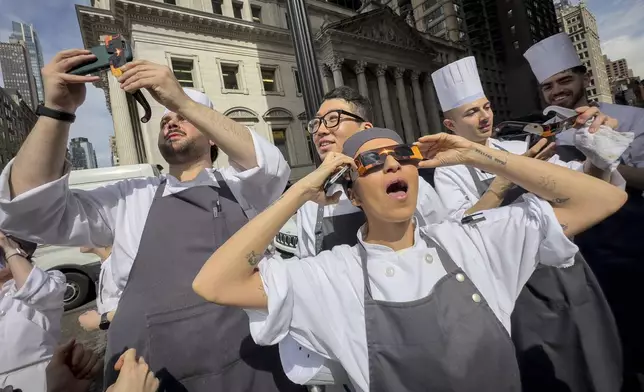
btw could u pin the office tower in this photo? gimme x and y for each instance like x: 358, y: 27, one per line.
x: 82, y: 154
x: 17, y: 71
x: 16, y: 121
x: 26, y: 33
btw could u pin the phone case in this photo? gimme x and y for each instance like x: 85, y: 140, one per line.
x: 101, y: 63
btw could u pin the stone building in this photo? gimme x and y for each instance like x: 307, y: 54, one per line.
x: 16, y: 121
x: 241, y: 55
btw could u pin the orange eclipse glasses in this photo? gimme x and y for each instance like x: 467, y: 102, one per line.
x: 371, y: 159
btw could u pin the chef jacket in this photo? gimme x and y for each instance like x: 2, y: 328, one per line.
x: 30, y: 319
x: 319, y: 301
x: 116, y: 214
x: 107, y: 294
x: 429, y: 209
x: 457, y: 189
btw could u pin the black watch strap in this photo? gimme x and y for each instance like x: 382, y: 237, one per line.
x: 55, y: 114
x: 105, y: 323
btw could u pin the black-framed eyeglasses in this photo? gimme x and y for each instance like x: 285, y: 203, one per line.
x: 331, y: 119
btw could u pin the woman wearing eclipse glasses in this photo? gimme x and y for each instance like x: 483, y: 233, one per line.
x: 409, y: 308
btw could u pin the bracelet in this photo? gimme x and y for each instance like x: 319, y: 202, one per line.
x: 55, y: 114
x: 11, y: 255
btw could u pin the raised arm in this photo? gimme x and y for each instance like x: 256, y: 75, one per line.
x: 233, y: 138
x: 579, y: 201
x: 229, y: 277
x: 41, y: 157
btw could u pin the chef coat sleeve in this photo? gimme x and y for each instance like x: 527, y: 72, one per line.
x: 54, y: 214
x: 429, y: 205
x: 615, y: 179
x: 301, y: 302
x: 263, y: 184
x: 43, y: 291
x: 517, y: 237
x: 305, y: 231
x: 449, y: 187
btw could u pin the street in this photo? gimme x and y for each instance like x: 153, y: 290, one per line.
x: 94, y: 340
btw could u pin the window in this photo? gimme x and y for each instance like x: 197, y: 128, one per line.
x: 257, y: 13
x: 183, y: 71
x: 269, y: 79
x: 516, y: 44
x: 528, y: 12
x: 288, y: 22
x: 510, y: 14
x: 298, y: 85
x: 230, y: 75
x: 584, y: 45
x: 237, y: 10
x: 532, y: 28
x: 216, y: 7
x: 173, y: 2
x: 279, y: 139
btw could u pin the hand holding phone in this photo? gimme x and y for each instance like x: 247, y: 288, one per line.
x: 337, y: 178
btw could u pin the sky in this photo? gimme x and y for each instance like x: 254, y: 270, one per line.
x: 620, y: 31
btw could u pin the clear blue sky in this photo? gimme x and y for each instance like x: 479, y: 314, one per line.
x: 620, y: 28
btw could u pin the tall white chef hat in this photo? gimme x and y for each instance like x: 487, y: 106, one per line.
x: 551, y: 56
x: 196, y: 96
x: 458, y: 83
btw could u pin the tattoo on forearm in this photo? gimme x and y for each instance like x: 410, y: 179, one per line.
x: 563, y: 226
x: 548, y: 183
x: 253, y: 258
x: 261, y: 289
x: 490, y: 157
x: 560, y: 200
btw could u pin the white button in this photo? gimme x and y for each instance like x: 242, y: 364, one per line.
x: 429, y: 258
x: 460, y: 277
x: 390, y: 272
x: 476, y: 298
x: 2, y: 313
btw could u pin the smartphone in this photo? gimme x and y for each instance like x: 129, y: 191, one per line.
x: 336, y: 177
x: 103, y: 54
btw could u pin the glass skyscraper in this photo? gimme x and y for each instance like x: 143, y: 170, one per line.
x: 25, y: 32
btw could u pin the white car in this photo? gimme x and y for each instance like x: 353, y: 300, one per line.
x: 286, y: 240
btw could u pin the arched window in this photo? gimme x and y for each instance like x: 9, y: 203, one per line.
x: 243, y: 116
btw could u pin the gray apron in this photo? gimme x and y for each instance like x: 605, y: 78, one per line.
x: 337, y: 230
x: 562, y: 327
x: 191, y: 344
x: 448, y: 341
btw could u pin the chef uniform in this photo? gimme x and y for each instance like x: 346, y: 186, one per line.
x: 107, y: 293
x: 163, y: 230
x: 30, y: 328
x: 563, y: 330
x: 614, y: 247
x: 434, y: 316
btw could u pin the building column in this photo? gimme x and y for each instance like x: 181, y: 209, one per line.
x: 227, y: 8
x: 399, y: 73
x: 359, y: 69
x: 327, y: 78
x: 336, y: 67
x: 435, y: 125
x: 123, y: 130
x: 247, y: 11
x: 381, y: 72
x: 418, y: 100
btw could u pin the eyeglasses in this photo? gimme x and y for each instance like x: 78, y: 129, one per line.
x: 368, y: 160
x: 331, y: 119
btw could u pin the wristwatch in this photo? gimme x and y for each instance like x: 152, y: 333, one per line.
x: 55, y: 114
x: 105, y: 323
x: 18, y: 251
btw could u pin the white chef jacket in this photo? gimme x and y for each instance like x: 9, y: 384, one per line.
x: 457, y: 189
x: 116, y: 214
x: 30, y: 320
x: 429, y: 209
x: 108, y: 294
x: 319, y: 301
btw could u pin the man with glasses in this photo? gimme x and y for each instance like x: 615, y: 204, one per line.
x: 343, y: 113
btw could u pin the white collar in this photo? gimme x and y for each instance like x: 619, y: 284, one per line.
x: 378, y: 250
x: 205, y: 177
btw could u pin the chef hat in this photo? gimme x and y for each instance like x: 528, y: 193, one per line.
x: 458, y: 83
x: 196, y: 96
x: 551, y: 56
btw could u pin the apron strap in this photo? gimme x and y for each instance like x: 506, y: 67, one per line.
x: 319, y: 232
x: 225, y: 192
x: 481, y: 188
x: 445, y: 259
x: 159, y: 192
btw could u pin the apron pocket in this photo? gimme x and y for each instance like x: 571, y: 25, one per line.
x: 197, y: 340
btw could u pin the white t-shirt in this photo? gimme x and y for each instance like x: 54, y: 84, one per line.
x: 319, y: 301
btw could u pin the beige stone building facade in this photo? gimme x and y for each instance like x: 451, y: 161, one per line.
x: 241, y: 55
x: 581, y: 26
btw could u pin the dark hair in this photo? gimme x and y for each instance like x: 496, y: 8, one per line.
x: 361, y: 105
x: 579, y: 70
x: 214, y: 153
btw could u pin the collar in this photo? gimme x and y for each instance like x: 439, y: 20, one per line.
x: 377, y: 250
x: 204, y: 178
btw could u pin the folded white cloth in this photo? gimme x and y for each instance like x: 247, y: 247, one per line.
x: 604, y: 147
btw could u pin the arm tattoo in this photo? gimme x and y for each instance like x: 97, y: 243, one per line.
x: 261, y: 289
x: 490, y: 157
x: 253, y: 258
x: 548, y: 183
x: 560, y: 200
